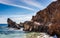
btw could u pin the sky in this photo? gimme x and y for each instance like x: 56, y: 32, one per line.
x: 21, y: 10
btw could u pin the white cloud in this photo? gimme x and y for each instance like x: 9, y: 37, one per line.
x: 12, y: 4
x: 33, y: 3
x: 16, y: 18
x: 3, y: 20
x: 54, y: 0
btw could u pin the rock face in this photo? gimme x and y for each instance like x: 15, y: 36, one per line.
x: 12, y: 24
x: 58, y: 0
x: 50, y: 17
x: 27, y: 25
x: 54, y: 29
x: 50, y: 14
x: 47, y: 20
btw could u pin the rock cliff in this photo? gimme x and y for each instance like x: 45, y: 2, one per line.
x: 47, y: 20
x: 49, y: 14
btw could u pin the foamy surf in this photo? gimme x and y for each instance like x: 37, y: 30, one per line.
x: 13, y: 29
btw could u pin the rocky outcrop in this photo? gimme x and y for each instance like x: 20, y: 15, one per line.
x: 54, y: 29
x: 47, y: 20
x: 49, y: 14
x: 27, y: 26
x: 12, y: 24
x: 50, y: 17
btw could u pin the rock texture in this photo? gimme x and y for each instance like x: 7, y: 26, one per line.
x: 28, y: 26
x: 50, y: 17
x: 12, y: 24
x: 34, y: 27
x: 50, y: 14
x: 46, y: 20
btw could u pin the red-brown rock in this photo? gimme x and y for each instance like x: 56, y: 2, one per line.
x: 50, y: 15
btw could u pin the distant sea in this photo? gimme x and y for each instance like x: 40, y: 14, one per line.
x: 6, y: 32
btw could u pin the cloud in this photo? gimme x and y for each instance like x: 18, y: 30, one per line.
x: 3, y: 20
x: 12, y: 4
x: 32, y: 2
x: 21, y: 18
x: 16, y: 18
x: 54, y: 0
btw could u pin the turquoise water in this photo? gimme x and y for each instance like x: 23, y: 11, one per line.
x: 6, y: 32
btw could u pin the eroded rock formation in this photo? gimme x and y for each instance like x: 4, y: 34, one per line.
x: 34, y: 27
x: 47, y: 20
x: 12, y: 24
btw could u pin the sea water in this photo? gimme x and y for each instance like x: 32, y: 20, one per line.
x: 6, y: 32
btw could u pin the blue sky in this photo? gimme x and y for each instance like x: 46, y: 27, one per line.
x: 21, y: 10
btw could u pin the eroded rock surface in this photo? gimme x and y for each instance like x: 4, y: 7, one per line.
x: 12, y: 24
x: 47, y: 20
